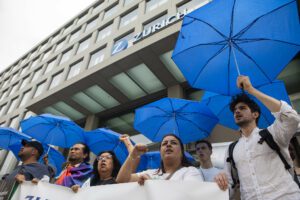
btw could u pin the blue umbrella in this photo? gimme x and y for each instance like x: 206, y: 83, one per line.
x: 103, y: 139
x: 260, y: 36
x: 51, y: 129
x: 189, y: 120
x: 219, y: 104
x: 56, y: 159
x: 9, y: 136
x: 151, y: 160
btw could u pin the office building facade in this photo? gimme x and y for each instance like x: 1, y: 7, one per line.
x: 111, y: 58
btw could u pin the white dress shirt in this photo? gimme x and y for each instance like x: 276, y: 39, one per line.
x: 261, y: 172
x: 183, y: 174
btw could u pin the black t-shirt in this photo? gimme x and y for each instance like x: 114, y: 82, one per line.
x: 103, y: 182
x: 30, y: 171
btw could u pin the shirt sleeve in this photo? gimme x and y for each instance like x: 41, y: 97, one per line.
x: 285, y: 124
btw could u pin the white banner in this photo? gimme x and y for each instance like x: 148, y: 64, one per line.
x: 152, y: 190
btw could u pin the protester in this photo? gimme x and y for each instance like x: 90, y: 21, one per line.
x: 261, y: 172
x: 30, y: 167
x: 174, y: 164
x: 78, y: 170
x: 105, y: 170
x: 204, y: 152
x: 292, y: 151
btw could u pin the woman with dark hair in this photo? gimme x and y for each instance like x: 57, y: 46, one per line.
x: 105, y: 170
x: 174, y: 164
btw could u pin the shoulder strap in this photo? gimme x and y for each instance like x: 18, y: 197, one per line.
x: 268, y: 138
x: 234, y: 174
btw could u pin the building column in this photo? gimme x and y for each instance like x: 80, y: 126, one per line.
x: 176, y: 91
x: 9, y: 164
x: 92, y: 122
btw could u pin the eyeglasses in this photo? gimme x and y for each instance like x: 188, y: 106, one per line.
x: 104, y: 157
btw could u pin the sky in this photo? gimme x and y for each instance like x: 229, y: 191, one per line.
x: 25, y: 23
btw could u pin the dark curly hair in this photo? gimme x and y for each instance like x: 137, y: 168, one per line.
x: 116, y: 167
x: 184, y: 160
x: 244, y: 98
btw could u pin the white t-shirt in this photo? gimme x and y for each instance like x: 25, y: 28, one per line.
x: 183, y: 174
x: 209, y: 174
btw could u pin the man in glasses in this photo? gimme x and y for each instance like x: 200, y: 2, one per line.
x: 78, y: 169
x: 204, y: 152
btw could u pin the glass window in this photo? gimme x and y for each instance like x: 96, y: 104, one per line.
x: 127, y: 86
x: 43, y: 46
x: 25, y: 98
x: 105, y: 32
x: 12, y: 105
x: 4, y: 94
x: 82, y: 18
x: 127, y: 2
x: 83, y: 45
x: 55, y: 37
x: 66, y: 56
x: 68, y: 28
x: 192, y: 5
x: 74, y: 35
x: 24, y: 82
x: 15, y: 76
x: 6, y: 82
x: 14, y: 89
x: 128, y: 18
x: 14, y: 122
x: 3, y: 109
x: 37, y: 74
x: 123, y: 43
x: 153, y: 4
x: 74, y: 70
x: 60, y: 45
x: 98, y: 7
x: 23, y: 70
x: 92, y: 24
x: 34, y: 63
x: 39, y: 89
x: 108, y: 13
x: 46, y: 54
x: 50, y: 66
x: 155, y: 21
x: 56, y: 79
x: 23, y: 62
x: 33, y: 54
x: 96, y: 58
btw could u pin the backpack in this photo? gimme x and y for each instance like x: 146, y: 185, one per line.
x: 265, y: 137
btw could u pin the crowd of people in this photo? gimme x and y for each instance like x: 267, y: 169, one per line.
x: 252, y: 169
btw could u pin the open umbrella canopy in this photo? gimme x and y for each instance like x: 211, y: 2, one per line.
x: 51, y: 129
x: 9, y: 136
x: 55, y: 158
x: 219, y: 104
x: 224, y: 39
x: 103, y: 139
x: 189, y: 120
x: 151, y: 160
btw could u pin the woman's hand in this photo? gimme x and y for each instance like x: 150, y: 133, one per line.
x: 143, y: 178
x: 138, y: 150
x: 75, y: 188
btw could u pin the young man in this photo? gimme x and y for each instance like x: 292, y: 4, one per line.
x: 30, y: 168
x: 78, y: 169
x: 261, y: 172
x: 204, y: 152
